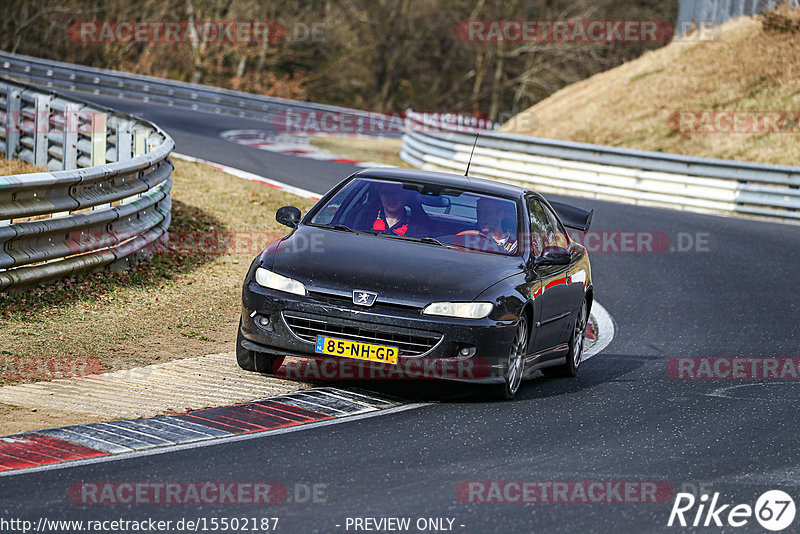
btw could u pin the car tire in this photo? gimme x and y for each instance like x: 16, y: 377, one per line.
x: 576, y: 342
x: 254, y: 361
x: 512, y: 380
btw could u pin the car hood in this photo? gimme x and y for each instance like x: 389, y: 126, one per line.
x: 399, y: 271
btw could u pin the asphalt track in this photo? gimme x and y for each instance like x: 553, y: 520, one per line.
x: 622, y: 419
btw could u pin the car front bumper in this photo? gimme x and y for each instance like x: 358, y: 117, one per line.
x: 265, y: 329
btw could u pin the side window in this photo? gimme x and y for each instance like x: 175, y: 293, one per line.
x: 545, y: 230
x: 557, y: 236
x: 539, y: 226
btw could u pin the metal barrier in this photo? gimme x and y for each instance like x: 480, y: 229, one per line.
x: 196, y: 97
x: 105, y: 201
x: 699, y: 14
x: 608, y: 173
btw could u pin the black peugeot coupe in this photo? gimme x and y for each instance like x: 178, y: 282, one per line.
x: 400, y: 273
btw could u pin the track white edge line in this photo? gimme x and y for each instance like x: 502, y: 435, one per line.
x: 605, y: 330
x: 214, y: 441
x: 251, y: 176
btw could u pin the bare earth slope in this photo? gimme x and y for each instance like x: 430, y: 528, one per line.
x: 745, y: 68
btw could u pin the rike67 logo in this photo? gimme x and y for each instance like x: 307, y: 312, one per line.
x: 774, y: 510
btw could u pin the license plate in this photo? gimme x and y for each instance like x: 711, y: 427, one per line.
x: 354, y: 349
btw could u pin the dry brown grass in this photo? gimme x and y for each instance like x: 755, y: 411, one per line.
x: 171, y: 306
x: 362, y: 149
x: 747, y: 68
x: 17, y: 166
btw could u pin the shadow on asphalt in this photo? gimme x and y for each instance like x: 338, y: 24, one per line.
x: 592, y: 373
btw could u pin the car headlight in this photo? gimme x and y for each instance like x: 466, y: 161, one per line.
x: 277, y: 282
x: 464, y: 310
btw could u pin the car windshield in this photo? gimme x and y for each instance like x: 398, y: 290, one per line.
x: 450, y: 216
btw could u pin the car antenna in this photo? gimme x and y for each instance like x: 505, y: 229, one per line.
x: 470, y: 157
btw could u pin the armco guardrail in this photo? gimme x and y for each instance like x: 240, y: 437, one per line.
x: 187, y: 95
x: 106, y: 199
x: 700, y: 14
x: 608, y: 173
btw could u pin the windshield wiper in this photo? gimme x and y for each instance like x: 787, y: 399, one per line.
x: 432, y: 241
x: 338, y: 227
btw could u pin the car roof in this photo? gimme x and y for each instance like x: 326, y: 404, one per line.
x: 478, y: 185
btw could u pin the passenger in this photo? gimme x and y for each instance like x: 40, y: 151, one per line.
x: 491, y: 213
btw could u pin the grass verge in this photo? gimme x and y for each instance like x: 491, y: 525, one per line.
x: 182, y: 302
x: 386, y: 151
x: 17, y: 166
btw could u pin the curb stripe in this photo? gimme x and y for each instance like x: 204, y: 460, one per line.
x: 31, y: 450
x: 293, y: 145
x: 62, y: 449
x: 21, y: 452
x: 70, y: 434
x: 221, y: 426
x: 292, y: 410
x: 95, y: 431
x: 132, y: 434
x: 329, y: 411
x: 279, y: 415
x: 153, y: 427
x: 231, y: 438
x: 205, y: 431
x: 359, y: 397
x: 80, y: 442
x: 12, y: 462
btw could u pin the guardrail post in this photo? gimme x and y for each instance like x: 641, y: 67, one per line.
x: 125, y: 151
x: 69, y: 158
x: 41, y: 127
x: 98, y: 139
x: 139, y: 142
x: 13, y: 104
x: 152, y: 143
x: 124, y: 141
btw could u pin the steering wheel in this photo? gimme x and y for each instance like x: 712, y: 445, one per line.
x: 476, y: 240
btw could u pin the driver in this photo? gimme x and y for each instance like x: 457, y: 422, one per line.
x: 491, y: 213
x: 394, y: 215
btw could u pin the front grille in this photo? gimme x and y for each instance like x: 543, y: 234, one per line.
x: 307, y: 328
x: 347, y: 300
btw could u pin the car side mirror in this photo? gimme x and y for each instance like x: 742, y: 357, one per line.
x: 288, y: 216
x: 553, y: 256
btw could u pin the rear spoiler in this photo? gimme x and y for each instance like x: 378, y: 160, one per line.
x: 573, y: 217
